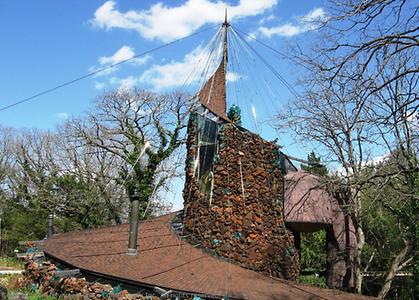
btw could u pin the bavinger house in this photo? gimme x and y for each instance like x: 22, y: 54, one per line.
x: 245, y: 205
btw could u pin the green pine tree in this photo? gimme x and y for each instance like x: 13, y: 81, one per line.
x: 314, y: 166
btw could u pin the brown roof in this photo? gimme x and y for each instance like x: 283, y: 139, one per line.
x: 308, y: 204
x: 306, y: 200
x: 164, y: 260
x: 213, y: 93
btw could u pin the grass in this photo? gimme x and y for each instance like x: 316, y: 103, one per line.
x: 312, y: 280
x: 7, y: 281
x: 11, y: 262
x: 31, y: 295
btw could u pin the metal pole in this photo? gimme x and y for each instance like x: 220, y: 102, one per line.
x: 50, y: 232
x: 133, y: 229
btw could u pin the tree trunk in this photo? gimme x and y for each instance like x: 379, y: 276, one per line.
x: 360, y: 238
x: 358, y: 274
x: 395, y: 267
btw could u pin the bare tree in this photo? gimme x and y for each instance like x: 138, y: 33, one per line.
x: 142, y: 131
x: 95, y: 166
x: 5, y: 155
x: 5, y: 167
x: 334, y: 117
x: 369, y: 30
x: 346, y: 107
x: 352, y: 121
x: 396, y: 116
x: 47, y: 174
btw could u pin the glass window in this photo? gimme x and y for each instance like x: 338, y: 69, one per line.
x: 207, y: 139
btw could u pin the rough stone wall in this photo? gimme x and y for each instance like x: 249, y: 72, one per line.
x: 242, y: 220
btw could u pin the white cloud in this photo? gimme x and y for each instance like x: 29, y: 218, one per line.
x: 174, y: 73
x: 102, y: 73
x: 128, y: 83
x: 186, y: 71
x: 125, y: 83
x: 122, y: 54
x: 267, y: 19
x: 177, y: 73
x: 310, y: 21
x: 314, y: 15
x: 61, y: 115
x: 167, y: 23
x: 376, y: 160
x: 286, y: 30
x: 340, y: 171
x: 100, y: 85
x: 251, y: 36
x: 412, y: 119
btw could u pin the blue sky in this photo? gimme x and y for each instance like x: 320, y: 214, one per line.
x: 46, y: 43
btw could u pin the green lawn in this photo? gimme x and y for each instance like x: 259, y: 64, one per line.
x: 31, y: 295
x: 7, y: 281
x: 11, y: 262
x: 312, y: 280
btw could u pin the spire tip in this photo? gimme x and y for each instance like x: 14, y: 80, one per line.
x: 225, y: 18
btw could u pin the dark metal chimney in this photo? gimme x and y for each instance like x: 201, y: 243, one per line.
x: 50, y: 231
x: 133, y: 229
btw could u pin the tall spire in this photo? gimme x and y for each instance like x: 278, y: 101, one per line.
x: 213, y: 94
x: 225, y: 46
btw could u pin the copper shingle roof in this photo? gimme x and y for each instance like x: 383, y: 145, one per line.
x: 213, y: 93
x: 306, y: 201
x: 166, y: 261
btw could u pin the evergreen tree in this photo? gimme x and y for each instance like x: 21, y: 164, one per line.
x: 314, y: 166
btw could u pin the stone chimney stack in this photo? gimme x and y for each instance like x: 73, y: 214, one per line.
x: 233, y: 197
x: 233, y: 194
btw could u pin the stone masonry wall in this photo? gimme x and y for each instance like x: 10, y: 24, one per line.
x: 242, y: 220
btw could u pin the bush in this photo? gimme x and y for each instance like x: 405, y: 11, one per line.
x: 312, y: 280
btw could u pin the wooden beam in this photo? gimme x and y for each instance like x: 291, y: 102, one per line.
x: 68, y: 273
x: 304, y: 161
x: 159, y: 290
x: 24, y: 243
x: 33, y: 255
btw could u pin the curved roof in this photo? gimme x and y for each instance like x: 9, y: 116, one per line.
x: 308, y: 206
x: 306, y: 199
x: 166, y: 261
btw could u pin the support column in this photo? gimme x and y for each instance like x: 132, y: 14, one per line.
x: 50, y: 231
x: 297, y: 241
x: 133, y: 229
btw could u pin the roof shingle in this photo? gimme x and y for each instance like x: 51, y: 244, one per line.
x: 213, y: 94
x: 166, y: 261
